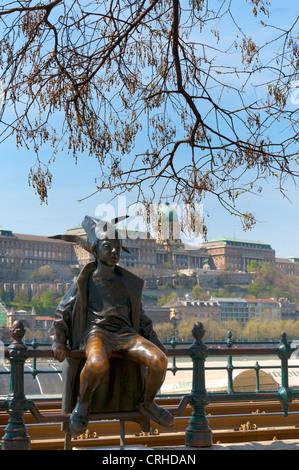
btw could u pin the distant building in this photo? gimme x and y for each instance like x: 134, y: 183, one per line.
x: 289, y: 265
x: 158, y: 314
x: 201, y: 309
x: 148, y: 253
x: 31, y: 321
x: 21, y: 254
x: 236, y: 255
x: 225, y: 309
x: 263, y: 309
x: 232, y: 309
x: 43, y: 324
x: 288, y: 310
x: 28, y: 318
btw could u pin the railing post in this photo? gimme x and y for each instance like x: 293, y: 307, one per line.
x: 16, y: 437
x: 174, y: 366
x: 198, y: 433
x: 285, y: 393
x: 230, y: 368
x: 34, y: 370
x: 257, y: 377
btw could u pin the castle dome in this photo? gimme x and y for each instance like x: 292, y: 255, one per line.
x: 167, y: 213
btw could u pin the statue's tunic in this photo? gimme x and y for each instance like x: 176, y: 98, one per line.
x: 108, y: 302
x: 109, y: 313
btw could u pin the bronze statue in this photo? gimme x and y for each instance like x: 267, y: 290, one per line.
x: 102, y: 313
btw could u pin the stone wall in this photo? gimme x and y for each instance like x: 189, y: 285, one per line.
x: 9, y: 289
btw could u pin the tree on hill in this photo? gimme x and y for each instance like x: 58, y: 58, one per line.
x: 43, y: 273
x: 271, y: 281
x: 164, y: 299
x: 46, y: 304
x: 38, y: 305
x: 192, y: 98
x: 21, y: 299
x: 165, y: 331
x: 267, y: 276
x: 253, y: 290
x: 254, y: 330
x: 214, y: 331
x: 198, y: 293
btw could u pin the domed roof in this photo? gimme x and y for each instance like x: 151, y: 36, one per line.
x: 167, y: 212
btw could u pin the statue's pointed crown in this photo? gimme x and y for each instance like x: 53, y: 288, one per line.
x: 95, y: 229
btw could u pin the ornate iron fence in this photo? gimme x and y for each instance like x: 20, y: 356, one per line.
x: 198, y: 432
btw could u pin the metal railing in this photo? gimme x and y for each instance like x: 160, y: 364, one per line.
x: 33, y: 369
x: 198, y: 432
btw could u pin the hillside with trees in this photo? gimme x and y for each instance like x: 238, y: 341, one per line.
x: 271, y: 281
x: 45, y: 304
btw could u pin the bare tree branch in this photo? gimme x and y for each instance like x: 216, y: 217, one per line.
x: 157, y: 91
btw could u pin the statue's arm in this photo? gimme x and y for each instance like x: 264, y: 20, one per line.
x: 61, y: 328
x: 148, y: 332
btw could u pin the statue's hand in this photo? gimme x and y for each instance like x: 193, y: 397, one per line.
x: 59, y: 351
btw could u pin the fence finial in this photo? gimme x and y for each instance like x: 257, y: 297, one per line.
x: 17, y: 331
x: 198, y: 331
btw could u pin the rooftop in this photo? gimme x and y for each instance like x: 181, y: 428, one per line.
x: 268, y: 301
x: 228, y: 299
x: 232, y: 241
x: 5, y: 232
x: 22, y: 236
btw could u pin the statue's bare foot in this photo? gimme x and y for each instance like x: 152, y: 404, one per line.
x: 157, y: 414
x: 79, y: 419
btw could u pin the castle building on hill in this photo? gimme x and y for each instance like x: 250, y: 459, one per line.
x: 21, y: 254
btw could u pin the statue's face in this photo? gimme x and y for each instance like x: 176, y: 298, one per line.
x: 109, y: 252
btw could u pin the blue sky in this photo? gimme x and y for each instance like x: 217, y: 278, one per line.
x: 21, y: 211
